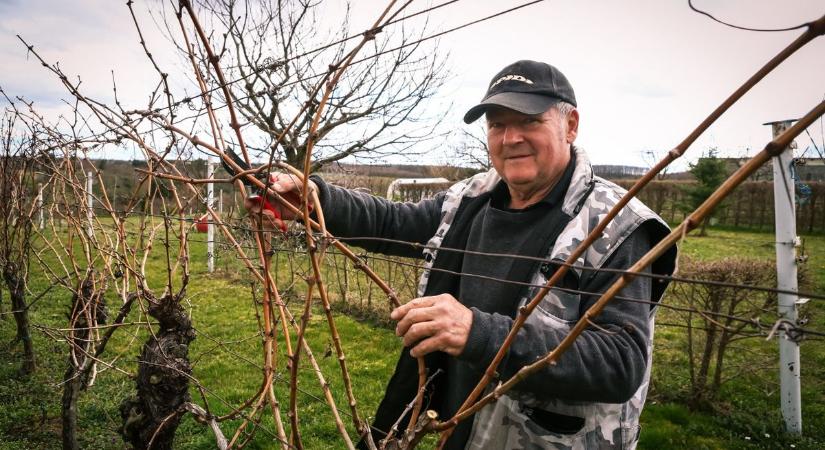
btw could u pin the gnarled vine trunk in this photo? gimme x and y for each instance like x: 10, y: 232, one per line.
x: 88, y: 311
x: 151, y: 417
x: 17, y: 293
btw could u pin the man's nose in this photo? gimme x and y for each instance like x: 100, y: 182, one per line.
x: 513, y: 135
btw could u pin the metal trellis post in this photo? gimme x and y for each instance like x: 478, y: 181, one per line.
x: 90, y: 201
x: 786, y: 273
x: 41, y: 222
x: 210, y: 230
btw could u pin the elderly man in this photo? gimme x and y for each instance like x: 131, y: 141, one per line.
x: 539, y: 202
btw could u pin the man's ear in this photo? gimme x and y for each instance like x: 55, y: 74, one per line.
x: 572, y: 126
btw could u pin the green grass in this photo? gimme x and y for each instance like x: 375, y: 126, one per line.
x: 227, y: 362
x: 227, y: 355
x: 747, y: 414
x: 673, y: 426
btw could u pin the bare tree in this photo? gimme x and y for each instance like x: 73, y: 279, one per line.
x: 471, y: 149
x: 651, y: 157
x: 274, y: 54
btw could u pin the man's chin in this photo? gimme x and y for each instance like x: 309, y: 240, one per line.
x: 519, y: 179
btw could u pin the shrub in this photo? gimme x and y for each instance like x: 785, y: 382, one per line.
x: 714, y: 331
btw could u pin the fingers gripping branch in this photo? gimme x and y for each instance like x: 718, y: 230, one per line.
x: 429, y: 324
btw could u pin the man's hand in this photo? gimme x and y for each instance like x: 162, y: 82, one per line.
x: 287, y: 186
x: 435, y: 323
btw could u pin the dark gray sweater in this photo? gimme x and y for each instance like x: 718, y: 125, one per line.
x: 600, y: 366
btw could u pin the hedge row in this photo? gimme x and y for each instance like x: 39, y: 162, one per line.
x: 750, y: 206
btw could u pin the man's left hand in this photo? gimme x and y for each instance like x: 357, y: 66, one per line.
x: 437, y: 323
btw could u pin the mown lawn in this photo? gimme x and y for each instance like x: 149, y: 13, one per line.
x: 747, y: 414
x: 227, y: 359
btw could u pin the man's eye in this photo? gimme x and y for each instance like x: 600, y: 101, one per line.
x: 493, y: 125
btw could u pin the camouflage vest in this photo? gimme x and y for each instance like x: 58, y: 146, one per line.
x: 504, y: 423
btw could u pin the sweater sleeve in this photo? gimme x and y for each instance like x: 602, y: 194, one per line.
x: 605, y: 364
x: 350, y: 213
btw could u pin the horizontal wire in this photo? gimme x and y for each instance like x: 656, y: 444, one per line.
x: 218, y: 87
x: 188, y: 99
x: 417, y: 245
x: 584, y: 268
x: 752, y: 322
x: 739, y: 27
x: 282, y: 61
x: 278, y: 376
x: 542, y: 260
x: 195, y: 381
x: 408, y: 44
x: 223, y: 345
x: 617, y: 297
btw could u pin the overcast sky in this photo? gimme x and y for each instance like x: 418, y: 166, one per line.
x: 645, y: 72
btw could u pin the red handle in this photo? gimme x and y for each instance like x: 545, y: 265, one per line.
x: 291, y: 197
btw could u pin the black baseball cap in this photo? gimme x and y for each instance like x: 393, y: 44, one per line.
x: 529, y: 87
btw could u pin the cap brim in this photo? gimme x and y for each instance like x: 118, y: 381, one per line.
x: 522, y: 102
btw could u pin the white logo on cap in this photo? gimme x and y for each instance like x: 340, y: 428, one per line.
x: 513, y: 78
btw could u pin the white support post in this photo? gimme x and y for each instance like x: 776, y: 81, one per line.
x: 220, y: 201
x: 90, y: 201
x: 42, y: 220
x: 786, y: 273
x: 114, y: 197
x: 210, y: 229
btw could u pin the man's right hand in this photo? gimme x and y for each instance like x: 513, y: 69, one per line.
x: 289, y: 187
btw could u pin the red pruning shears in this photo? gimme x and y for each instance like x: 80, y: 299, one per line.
x: 256, y: 194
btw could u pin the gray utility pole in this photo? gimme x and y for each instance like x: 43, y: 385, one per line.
x: 786, y: 243
x: 210, y: 230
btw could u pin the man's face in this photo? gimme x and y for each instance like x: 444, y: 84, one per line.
x: 530, y: 152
